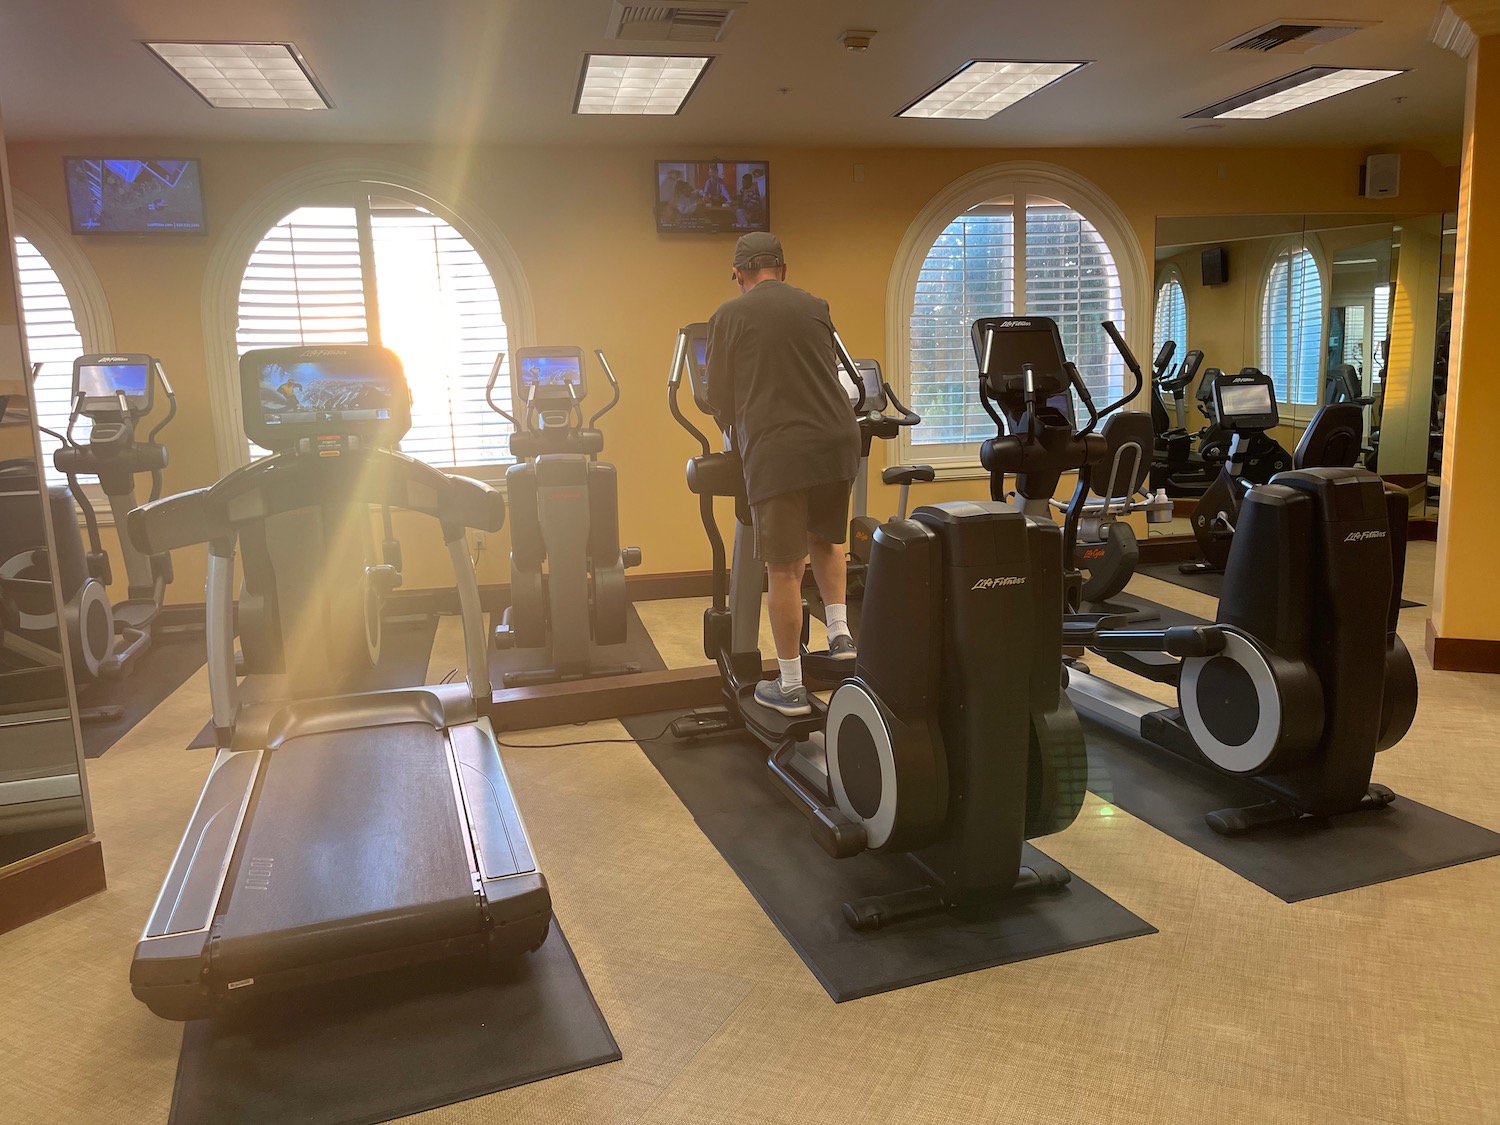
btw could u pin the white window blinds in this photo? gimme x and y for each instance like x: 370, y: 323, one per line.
x: 1171, y: 316
x: 1059, y: 266
x: 414, y: 284
x: 53, y: 340
x: 1291, y: 328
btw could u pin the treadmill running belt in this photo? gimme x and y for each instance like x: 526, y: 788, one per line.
x: 369, y: 1050
x: 349, y: 850
x: 724, y: 784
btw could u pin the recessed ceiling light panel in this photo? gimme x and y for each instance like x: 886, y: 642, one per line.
x: 649, y: 84
x: 1294, y: 91
x: 983, y: 87
x: 245, y: 75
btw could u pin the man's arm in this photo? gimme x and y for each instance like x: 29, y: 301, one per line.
x: 720, y: 372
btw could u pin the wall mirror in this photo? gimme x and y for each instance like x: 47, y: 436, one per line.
x: 43, y: 797
x: 1331, y: 306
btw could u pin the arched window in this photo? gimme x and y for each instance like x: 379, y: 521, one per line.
x: 384, y: 268
x: 1019, y: 253
x: 1291, y: 327
x: 52, y: 340
x: 1171, y: 314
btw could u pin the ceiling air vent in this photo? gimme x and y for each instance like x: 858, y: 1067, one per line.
x: 671, y: 23
x: 1293, y: 37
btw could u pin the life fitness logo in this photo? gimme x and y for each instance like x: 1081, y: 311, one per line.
x: 1361, y: 536
x: 1014, y: 324
x: 996, y: 583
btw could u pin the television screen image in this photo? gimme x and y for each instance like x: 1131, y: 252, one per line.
x: 712, y: 196
x: 108, y: 380
x: 551, y: 371
x: 134, y: 196
x: 310, y: 392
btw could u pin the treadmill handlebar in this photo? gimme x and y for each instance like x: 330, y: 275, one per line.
x: 286, y: 482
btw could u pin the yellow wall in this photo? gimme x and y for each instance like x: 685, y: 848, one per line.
x: 1465, y: 603
x: 600, y: 276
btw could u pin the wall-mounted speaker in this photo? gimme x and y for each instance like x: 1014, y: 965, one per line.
x: 1380, y: 177
x: 1215, y: 265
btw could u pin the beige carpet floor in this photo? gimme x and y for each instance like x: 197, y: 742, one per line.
x: 1380, y: 1005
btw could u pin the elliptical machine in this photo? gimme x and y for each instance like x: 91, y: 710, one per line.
x: 1246, y: 405
x: 1104, y: 551
x: 1302, y: 678
x: 115, y: 393
x: 565, y: 516
x: 915, y: 752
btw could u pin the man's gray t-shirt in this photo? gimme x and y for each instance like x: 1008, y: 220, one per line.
x: 773, y: 371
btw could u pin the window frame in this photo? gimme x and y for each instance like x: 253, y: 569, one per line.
x: 1170, y: 274
x: 1294, y: 413
x: 336, y: 183
x: 1018, y: 180
x: 86, y: 298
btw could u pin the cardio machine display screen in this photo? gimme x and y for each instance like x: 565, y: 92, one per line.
x: 868, y: 372
x: 105, y: 381
x: 551, y: 371
x: 318, y: 391
x: 1253, y: 400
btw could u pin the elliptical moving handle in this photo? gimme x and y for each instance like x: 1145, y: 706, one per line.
x: 1130, y: 361
x: 614, y: 386
x: 853, y: 368
x: 489, y: 392
x: 908, y: 417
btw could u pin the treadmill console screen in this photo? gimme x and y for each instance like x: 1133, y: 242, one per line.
x: 1249, y: 400
x: 294, y: 393
x: 551, y: 371
x: 101, y: 378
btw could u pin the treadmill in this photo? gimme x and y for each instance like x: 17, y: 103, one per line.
x: 337, y: 835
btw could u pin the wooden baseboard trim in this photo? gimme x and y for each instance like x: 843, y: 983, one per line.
x: 609, y: 697
x: 46, y: 883
x: 1458, y: 654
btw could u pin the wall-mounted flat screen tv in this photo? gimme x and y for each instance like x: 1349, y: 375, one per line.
x: 712, y: 196
x: 134, y: 196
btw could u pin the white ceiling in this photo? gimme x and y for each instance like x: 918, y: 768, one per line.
x: 506, y: 70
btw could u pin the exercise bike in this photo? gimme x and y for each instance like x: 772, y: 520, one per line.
x: 564, y: 516
x: 916, y: 752
x: 1302, y: 678
x: 1246, y: 405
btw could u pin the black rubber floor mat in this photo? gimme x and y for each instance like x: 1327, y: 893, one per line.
x: 160, y: 670
x: 637, y: 649
x: 723, y: 782
x: 1209, y: 583
x: 405, y: 652
x: 372, y: 1049
x: 1296, y: 861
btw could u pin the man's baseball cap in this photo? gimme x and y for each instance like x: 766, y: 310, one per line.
x: 758, y: 251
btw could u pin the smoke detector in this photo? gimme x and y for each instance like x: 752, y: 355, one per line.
x: 702, y: 22
x: 856, y: 41
x: 1293, y: 37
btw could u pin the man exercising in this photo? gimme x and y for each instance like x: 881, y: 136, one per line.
x: 773, y: 374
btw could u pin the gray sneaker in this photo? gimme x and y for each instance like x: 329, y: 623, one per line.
x: 770, y: 693
x: 842, y: 647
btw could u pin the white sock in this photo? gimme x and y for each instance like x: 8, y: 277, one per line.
x: 836, y: 617
x: 791, y: 673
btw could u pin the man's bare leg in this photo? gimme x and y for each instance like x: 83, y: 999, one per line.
x: 830, y: 572
x: 784, y: 602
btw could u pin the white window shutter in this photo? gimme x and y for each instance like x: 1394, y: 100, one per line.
x: 53, y: 340
x: 1171, y: 317
x: 1071, y: 277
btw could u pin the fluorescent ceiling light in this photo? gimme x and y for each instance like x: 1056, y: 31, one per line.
x: 1294, y: 91
x: 245, y: 75
x: 654, y: 84
x: 983, y: 87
